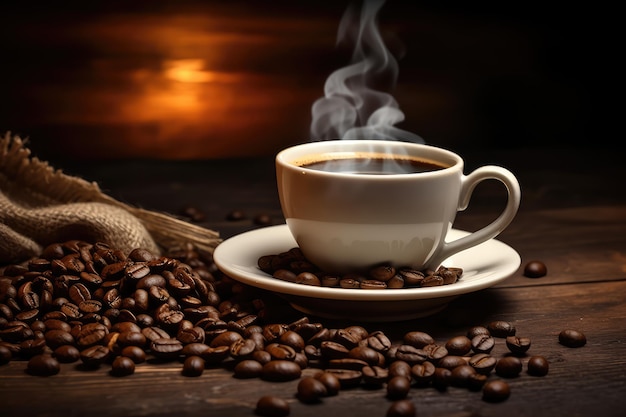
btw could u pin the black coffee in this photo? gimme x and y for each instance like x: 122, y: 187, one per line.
x: 375, y: 165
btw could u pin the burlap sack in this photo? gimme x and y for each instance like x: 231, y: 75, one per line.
x: 40, y: 205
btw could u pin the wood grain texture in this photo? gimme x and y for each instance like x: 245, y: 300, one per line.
x: 583, y: 243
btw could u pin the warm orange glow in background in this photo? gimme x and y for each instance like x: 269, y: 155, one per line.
x: 231, y: 79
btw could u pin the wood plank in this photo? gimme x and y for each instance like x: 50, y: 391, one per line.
x: 585, y: 381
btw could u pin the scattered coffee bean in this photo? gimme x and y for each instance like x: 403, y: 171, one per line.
x: 496, y: 391
x: 483, y: 363
x: 311, y: 390
x: 66, y: 354
x: 248, y: 368
x: 483, y: 343
x: 535, y: 269
x: 518, y: 345
x: 104, y: 307
x: 271, y: 406
x: 459, y: 345
x: 459, y: 376
x: 572, y: 338
x: 281, y: 370
x: 43, y: 365
x: 501, y: 328
x: 330, y: 381
x: 402, y: 408
x: 398, y: 387
x: 538, y: 366
x: 193, y: 366
x: 122, y: 366
x: 290, y: 264
x: 509, y: 367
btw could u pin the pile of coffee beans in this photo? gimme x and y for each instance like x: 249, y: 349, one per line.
x: 293, y: 266
x: 95, y: 305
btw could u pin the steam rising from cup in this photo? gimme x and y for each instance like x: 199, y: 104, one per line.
x: 351, y: 107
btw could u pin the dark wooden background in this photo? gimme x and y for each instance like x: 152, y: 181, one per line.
x: 530, y: 87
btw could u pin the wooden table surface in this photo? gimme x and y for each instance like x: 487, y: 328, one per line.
x: 572, y: 218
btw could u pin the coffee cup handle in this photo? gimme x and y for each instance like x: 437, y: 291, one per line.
x: 468, y: 183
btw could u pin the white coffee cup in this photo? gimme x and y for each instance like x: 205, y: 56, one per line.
x: 349, y: 221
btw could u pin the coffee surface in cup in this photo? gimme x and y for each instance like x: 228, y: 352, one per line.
x: 374, y: 165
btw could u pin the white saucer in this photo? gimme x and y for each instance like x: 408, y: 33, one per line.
x: 483, y: 266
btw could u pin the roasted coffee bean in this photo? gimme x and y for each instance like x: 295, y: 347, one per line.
x: 272, y: 332
x: 280, y: 351
x: 475, y: 382
x: 441, y: 378
x: 374, y: 375
x: 43, y: 365
x: 518, y: 345
x: 311, y: 390
x: 423, y: 373
x: 411, y: 277
x: 66, y: 354
x: 418, y: 339
x: 330, y: 281
x: 538, y: 366
x: 509, y: 367
x: 153, y: 333
x: 535, y: 269
x: 347, y: 338
x: 132, y: 338
x: 281, y: 370
x: 213, y: 355
x: 308, y: 278
x: 572, y: 338
x: 432, y: 281
x: 91, y: 334
x: 248, y: 368
x: 166, y: 348
x: 483, y: 363
x: 122, y: 366
x: 330, y: 381
x: 333, y: 350
x: 398, y: 387
x: 382, y: 272
x: 483, y: 343
x: 346, y: 363
x: 401, y: 408
x: 399, y: 368
x: 349, y: 283
x: 191, y: 335
x: 55, y: 338
x: 459, y: 345
x: 410, y: 354
x: 285, y: 275
x: 226, y: 338
x: 271, y: 406
x: 293, y: 339
x: 459, y: 376
x: 347, y: 378
x: 135, y: 353
x: 243, y: 349
x: 501, y: 328
x: 377, y: 341
x: 366, y: 354
x: 451, y: 361
x: 193, y: 366
x: 56, y: 324
x: 496, y: 391
x: 372, y: 284
x: 94, y: 356
x: 435, y: 352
